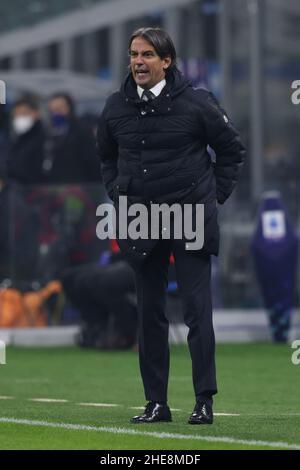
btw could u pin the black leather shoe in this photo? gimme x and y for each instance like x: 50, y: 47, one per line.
x: 154, y: 412
x: 202, y: 414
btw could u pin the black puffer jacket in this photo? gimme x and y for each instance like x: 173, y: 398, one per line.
x: 157, y: 151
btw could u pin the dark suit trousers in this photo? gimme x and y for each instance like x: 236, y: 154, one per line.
x: 193, y: 273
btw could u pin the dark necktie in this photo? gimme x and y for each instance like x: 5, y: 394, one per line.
x: 148, y: 95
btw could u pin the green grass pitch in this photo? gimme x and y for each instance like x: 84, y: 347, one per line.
x: 257, y: 382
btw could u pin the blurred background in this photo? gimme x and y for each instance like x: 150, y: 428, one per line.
x: 60, y: 60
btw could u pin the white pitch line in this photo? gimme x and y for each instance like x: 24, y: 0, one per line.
x: 271, y: 415
x: 48, y: 400
x: 136, y: 408
x: 7, y: 398
x: 159, y: 435
x: 108, y: 405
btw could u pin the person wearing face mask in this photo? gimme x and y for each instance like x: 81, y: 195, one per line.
x: 70, y: 155
x: 26, y: 150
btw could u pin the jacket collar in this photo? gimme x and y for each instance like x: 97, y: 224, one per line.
x: 156, y: 90
x: 176, y: 83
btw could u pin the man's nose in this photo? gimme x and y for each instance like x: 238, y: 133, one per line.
x: 139, y: 60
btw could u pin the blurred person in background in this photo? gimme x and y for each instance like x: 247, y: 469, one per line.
x: 104, y: 293
x: 26, y: 151
x: 70, y: 155
x: 275, y: 247
x: 18, y: 227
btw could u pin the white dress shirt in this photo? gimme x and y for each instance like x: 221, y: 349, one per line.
x: 156, y: 90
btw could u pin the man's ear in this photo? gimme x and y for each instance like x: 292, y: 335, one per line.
x: 167, y: 65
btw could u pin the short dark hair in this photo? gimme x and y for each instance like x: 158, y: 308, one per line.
x: 160, y: 40
x: 64, y: 96
x: 27, y: 100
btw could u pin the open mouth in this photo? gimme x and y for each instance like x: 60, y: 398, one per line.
x: 141, y: 73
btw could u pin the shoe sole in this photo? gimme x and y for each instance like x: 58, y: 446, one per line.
x: 151, y: 422
x: 200, y: 422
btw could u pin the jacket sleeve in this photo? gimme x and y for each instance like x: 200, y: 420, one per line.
x: 224, y: 139
x: 107, y: 151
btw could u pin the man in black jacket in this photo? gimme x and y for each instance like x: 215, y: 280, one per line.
x: 153, y: 139
x: 27, y: 147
